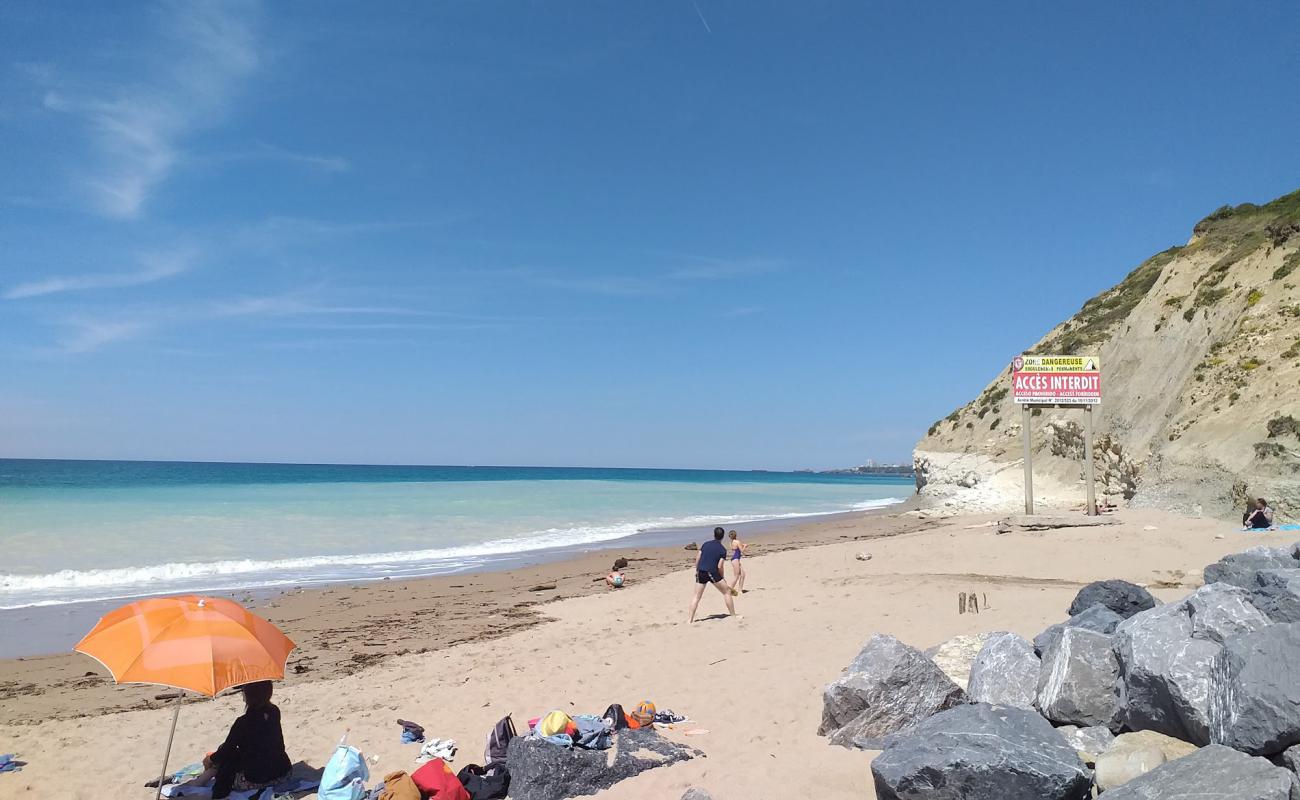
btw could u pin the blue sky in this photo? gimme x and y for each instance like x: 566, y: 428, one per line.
x: 716, y: 234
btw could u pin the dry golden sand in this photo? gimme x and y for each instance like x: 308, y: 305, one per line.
x: 753, y: 683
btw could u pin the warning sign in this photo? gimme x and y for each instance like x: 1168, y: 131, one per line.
x: 1062, y: 380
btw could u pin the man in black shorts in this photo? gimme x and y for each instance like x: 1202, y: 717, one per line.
x: 709, y: 570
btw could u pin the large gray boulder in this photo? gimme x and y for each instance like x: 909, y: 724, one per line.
x: 1239, y: 569
x: 1220, y: 610
x: 540, y: 770
x: 1277, y: 594
x: 981, y: 752
x: 1005, y: 672
x: 1210, y: 772
x: 1255, y: 702
x: 1079, y: 681
x: 1122, y: 597
x: 1165, y: 674
x: 889, y: 687
x: 1097, y: 618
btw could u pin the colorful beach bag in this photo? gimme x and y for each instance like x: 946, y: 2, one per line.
x: 345, y: 775
x: 644, y: 715
x: 436, y: 780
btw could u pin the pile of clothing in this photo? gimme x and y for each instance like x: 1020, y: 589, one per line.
x: 592, y: 732
x: 10, y: 763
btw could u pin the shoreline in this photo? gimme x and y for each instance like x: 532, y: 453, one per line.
x: 343, y: 627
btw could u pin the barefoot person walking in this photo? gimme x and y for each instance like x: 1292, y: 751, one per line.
x: 709, y: 570
x: 737, y: 567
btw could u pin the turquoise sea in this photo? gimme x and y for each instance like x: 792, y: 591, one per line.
x: 73, y: 531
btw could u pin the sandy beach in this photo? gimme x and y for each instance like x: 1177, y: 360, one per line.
x: 753, y: 684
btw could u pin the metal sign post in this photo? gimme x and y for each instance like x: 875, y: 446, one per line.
x: 1057, y: 382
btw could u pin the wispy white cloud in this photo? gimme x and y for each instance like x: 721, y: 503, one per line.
x: 136, y: 123
x: 153, y: 267
x: 616, y: 285
x: 296, y: 304
x: 269, y: 152
x: 705, y: 268
x: 88, y: 335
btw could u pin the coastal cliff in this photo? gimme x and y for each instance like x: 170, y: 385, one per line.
x: 1200, y: 356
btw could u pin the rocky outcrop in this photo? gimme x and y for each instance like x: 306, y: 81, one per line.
x: 1079, y: 681
x: 1255, y: 703
x: 981, y: 752
x: 1122, y: 597
x: 540, y: 770
x: 1005, y: 672
x: 889, y: 686
x: 1199, y: 371
x: 1209, y: 772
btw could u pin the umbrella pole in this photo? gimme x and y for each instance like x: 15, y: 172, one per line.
x: 176, y: 713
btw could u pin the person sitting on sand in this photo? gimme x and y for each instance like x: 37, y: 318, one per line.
x: 709, y: 570
x: 738, y: 568
x: 1260, y: 517
x: 253, y: 755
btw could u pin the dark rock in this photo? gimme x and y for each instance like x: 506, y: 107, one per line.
x: 1239, y: 569
x: 1165, y: 674
x: 540, y: 770
x: 1211, y: 771
x: 1005, y: 672
x: 1220, y: 610
x: 696, y: 793
x: 1097, y: 618
x: 1255, y: 701
x: 889, y: 686
x: 981, y: 752
x: 1122, y: 597
x: 1079, y: 682
x: 1277, y: 594
x: 692, y: 546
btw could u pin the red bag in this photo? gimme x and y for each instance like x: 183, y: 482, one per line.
x: 435, y: 779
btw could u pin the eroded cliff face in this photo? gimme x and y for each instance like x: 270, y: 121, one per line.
x: 1200, y: 354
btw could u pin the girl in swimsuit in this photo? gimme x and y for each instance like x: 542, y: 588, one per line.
x: 738, y: 568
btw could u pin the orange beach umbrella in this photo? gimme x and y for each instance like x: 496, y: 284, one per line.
x: 198, y: 644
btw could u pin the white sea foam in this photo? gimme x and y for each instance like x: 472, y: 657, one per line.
x: 72, y: 586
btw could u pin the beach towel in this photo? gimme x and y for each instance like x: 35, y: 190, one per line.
x: 436, y: 780
x: 345, y: 775
x: 290, y: 787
